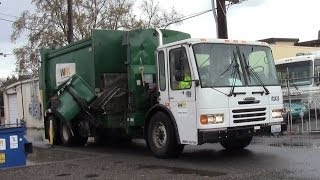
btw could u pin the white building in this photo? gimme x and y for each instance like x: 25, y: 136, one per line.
x: 22, y: 101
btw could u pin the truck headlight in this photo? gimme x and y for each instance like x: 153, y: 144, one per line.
x: 277, y: 113
x: 212, y: 119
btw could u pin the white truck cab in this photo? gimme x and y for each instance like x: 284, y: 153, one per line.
x: 220, y: 90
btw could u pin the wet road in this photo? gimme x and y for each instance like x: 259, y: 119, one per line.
x: 265, y: 159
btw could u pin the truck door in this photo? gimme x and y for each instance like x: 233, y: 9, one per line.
x: 162, y: 79
x: 182, y: 94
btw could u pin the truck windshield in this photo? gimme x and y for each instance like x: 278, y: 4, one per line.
x: 219, y: 65
x: 260, y: 61
x: 298, y: 73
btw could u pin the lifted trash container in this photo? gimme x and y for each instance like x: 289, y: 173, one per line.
x: 13, y: 146
x: 75, y: 92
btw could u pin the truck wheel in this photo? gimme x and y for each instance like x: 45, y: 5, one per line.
x: 80, y: 141
x: 161, y: 137
x: 236, y: 143
x: 81, y: 132
x: 55, y: 130
x: 66, y: 135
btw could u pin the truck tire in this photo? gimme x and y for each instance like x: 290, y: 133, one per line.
x: 80, y: 135
x: 161, y: 137
x: 236, y: 143
x: 55, y: 130
x: 81, y: 141
x: 65, y: 134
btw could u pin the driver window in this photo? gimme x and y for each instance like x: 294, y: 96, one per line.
x: 179, y: 54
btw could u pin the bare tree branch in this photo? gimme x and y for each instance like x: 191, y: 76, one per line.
x: 47, y: 26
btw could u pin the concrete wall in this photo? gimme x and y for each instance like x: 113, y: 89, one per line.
x: 284, y: 43
x: 284, y: 51
x: 26, y: 94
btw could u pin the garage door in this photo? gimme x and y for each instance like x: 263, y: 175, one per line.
x: 13, y: 108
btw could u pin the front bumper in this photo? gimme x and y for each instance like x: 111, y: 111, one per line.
x: 217, y: 135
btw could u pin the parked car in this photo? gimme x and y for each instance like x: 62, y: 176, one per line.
x: 297, y: 110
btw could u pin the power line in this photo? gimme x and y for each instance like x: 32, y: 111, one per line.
x: 187, y: 17
x: 9, y: 15
x: 201, y: 13
x: 31, y: 29
x: 165, y: 26
x: 7, y: 20
x: 231, y: 3
x: 13, y: 16
x: 4, y: 54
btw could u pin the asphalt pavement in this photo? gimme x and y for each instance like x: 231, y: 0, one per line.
x: 286, y: 157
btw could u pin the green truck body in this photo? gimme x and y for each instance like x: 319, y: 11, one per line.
x: 109, y: 77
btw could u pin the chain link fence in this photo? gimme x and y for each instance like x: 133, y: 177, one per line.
x: 301, y: 98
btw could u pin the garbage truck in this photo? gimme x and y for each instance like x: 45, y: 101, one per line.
x: 160, y: 85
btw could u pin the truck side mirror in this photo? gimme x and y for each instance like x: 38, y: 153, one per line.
x: 179, y: 75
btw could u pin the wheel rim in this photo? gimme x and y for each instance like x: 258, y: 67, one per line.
x: 65, y: 132
x: 159, y: 135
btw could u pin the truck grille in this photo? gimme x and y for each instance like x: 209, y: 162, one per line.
x: 249, y: 115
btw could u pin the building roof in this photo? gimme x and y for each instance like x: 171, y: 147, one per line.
x: 22, y: 82
x: 312, y: 43
x: 274, y: 40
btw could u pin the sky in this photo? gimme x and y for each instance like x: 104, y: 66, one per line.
x: 11, y: 7
x: 250, y: 20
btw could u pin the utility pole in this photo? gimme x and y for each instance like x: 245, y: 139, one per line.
x: 70, y: 22
x: 222, y: 19
x: 220, y: 15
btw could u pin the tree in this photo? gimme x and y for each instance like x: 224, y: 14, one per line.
x: 47, y: 26
x: 155, y: 16
x: 3, y: 83
x: 10, y: 80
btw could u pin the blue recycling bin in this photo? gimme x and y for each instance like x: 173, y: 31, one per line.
x: 14, y: 147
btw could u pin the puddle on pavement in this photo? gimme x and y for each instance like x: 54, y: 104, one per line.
x: 294, y: 142
x: 63, y: 175
x: 91, y: 175
x: 177, y: 170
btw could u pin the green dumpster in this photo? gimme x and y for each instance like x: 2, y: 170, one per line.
x: 74, y: 95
